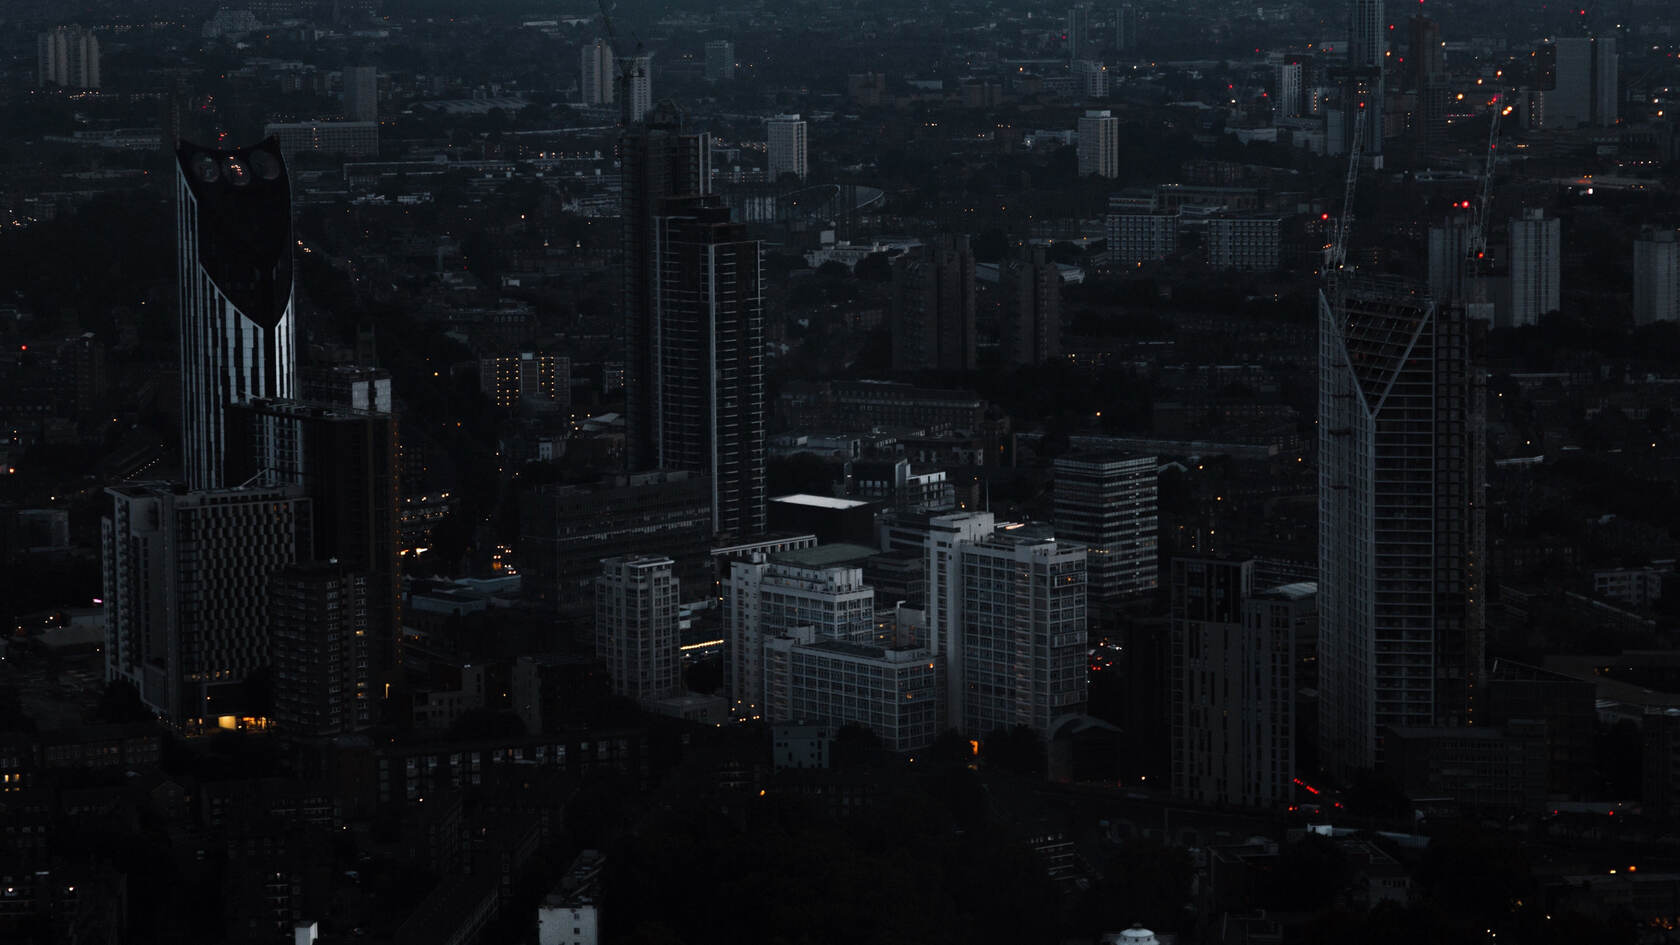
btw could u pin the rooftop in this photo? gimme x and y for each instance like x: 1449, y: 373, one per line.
x: 825, y: 556
x: 818, y: 501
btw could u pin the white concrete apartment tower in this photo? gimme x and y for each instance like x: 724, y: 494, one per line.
x: 1656, y: 276
x: 68, y: 57
x: 786, y: 147
x: 636, y: 617
x: 1099, y: 144
x: 596, y: 78
x: 1536, y: 256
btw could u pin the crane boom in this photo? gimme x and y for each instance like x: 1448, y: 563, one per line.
x: 1336, y: 256
x: 625, y: 68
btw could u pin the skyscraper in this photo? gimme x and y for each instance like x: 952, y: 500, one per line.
x: 1078, y: 31
x: 1449, y: 250
x: 659, y: 161
x: 639, y: 82
x: 345, y: 461
x: 1233, y: 683
x: 1428, y: 79
x: 1363, y: 82
x: 1030, y: 306
x: 1401, y: 520
x: 709, y: 395
x: 1584, y: 91
x: 67, y: 56
x: 1656, y: 276
x: 1126, y: 27
x: 636, y: 611
x: 933, y: 308
x: 1018, y: 633
x: 238, y: 330
x: 361, y: 93
x: 720, y: 60
x: 1107, y: 502
x: 318, y: 628
x: 1288, y: 103
x: 786, y: 146
x: 1099, y: 144
x: 1536, y: 257
x: 597, y: 76
x: 187, y: 618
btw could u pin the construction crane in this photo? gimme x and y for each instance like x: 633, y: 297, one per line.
x: 1484, y: 200
x: 1335, y: 254
x: 626, y: 68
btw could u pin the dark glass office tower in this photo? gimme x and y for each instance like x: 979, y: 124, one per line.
x: 660, y: 161
x: 708, y: 391
x: 238, y: 330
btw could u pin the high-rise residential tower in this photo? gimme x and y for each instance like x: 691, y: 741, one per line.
x: 933, y: 308
x: 1078, y: 31
x: 1536, y: 259
x: 238, y: 329
x: 1584, y: 92
x: 1107, y: 502
x: 720, y: 60
x: 1363, y: 81
x: 597, y: 75
x: 786, y: 146
x: 638, y: 90
x: 345, y: 461
x: 769, y: 596
x: 1233, y: 683
x: 186, y: 580
x: 1401, y: 520
x: 1099, y: 144
x: 1030, y: 306
x: 708, y: 397
x: 322, y: 681
x: 1656, y: 276
x: 68, y: 57
x: 361, y: 93
x: 636, y: 617
x: 659, y: 161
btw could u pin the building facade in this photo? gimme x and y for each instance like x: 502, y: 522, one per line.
x: 637, y: 604
x: 1247, y: 243
x: 597, y: 73
x: 1656, y: 277
x: 709, y: 302
x: 660, y: 161
x: 1030, y: 307
x: 895, y: 693
x: 67, y: 57
x: 1139, y: 237
x: 186, y: 583
x: 1536, y: 259
x: 1099, y: 144
x: 720, y: 60
x: 933, y: 308
x: 237, y: 327
x: 1108, y: 503
x: 1401, y: 521
x: 786, y: 147
x: 506, y: 379
x: 1233, y: 683
x: 318, y: 627
x: 361, y: 93
x: 768, y: 597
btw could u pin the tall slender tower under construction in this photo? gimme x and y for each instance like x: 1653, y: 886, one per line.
x: 1362, y: 83
x: 1401, y: 520
x: 660, y: 161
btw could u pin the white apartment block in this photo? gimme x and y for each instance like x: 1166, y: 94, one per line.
x: 1536, y: 256
x: 637, y: 601
x: 1656, y: 277
x: 895, y: 693
x: 769, y: 597
x: 1108, y: 503
x: 786, y: 147
x: 1099, y: 144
